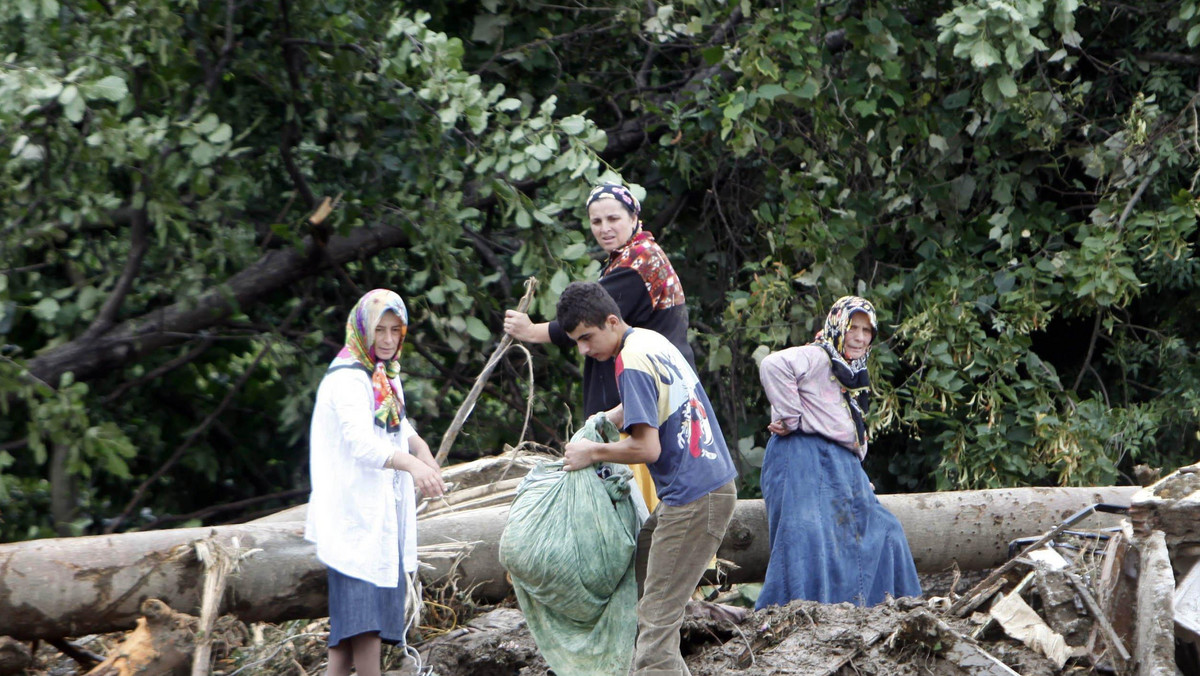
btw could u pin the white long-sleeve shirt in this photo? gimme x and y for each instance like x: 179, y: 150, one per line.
x: 806, y: 396
x: 352, y: 510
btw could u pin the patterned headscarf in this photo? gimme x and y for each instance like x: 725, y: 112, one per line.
x: 852, y: 374
x: 618, y: 192
x: 641, y: 252
x: 359, y: 352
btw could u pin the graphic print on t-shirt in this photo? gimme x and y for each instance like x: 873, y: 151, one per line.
x: 659, y: 388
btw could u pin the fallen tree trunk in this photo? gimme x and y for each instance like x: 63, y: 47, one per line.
x: 970, y: 528
x: 75, y: 586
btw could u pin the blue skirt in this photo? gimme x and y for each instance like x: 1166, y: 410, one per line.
x: 359, y: 607
x: 831, y: 540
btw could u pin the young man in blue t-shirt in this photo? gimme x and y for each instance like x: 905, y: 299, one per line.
x: 673, y: 430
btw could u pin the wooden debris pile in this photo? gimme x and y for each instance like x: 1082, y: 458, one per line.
x: 1101, y: 599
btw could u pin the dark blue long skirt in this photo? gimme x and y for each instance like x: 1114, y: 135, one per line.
x: 831, y: 540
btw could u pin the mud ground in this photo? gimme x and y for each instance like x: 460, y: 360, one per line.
x: 803, y: 637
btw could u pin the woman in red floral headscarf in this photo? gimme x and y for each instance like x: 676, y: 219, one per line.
x: 640, y: 278
x: 365, y: 460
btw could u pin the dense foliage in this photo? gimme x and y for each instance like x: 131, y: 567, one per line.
x: 1012, y: 182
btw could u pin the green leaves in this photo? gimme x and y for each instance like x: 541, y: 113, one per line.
x: 110, y: 88
x: 999, y: 37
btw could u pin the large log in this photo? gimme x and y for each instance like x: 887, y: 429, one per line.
x: 73, y: 586
x: 970, y: 528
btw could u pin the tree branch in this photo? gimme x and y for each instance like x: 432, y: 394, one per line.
x: 489, y: 257
x: 276, y: 270
x: 132, y: 339
x: 217, y: 509
x: 137, y: 251
x: 291, y: 131
x: 160, y: 371
x: 162, y: 470
x: 1137, y: 195
x: 1087, y: 360
x: 86, y: 659
x: 214, y: 74
x: 1171, y: 57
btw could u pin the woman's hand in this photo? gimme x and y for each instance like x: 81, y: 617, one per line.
x: 427, y: 480
x: 518, y: 325
x: 777, y: 427
x: 578, y: 455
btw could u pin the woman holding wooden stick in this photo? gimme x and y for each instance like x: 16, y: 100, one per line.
x: 639, y: 276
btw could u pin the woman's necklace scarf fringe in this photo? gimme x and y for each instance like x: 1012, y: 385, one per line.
x: 852, y: 375
x: 388, y: 404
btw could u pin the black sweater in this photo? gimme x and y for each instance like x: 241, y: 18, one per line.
x: 628, y: 288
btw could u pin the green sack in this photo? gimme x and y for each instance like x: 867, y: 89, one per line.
x: 569, y: 548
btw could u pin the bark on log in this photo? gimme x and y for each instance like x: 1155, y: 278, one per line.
x: 75, y: 586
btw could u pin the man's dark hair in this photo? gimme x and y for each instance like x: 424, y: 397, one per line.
x: 584, y: 303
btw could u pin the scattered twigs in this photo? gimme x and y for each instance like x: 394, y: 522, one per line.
x: 1093, y: 607
x: 471, y: 498
x: 1007, y: 565
x: 282, y: 644
x: 469, y: 403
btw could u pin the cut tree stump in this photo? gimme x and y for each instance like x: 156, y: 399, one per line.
x: 161, y: 643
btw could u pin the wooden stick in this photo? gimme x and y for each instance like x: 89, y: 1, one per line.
x: 981, y: 598
x: 1106, y: 627
x: 469, y: 403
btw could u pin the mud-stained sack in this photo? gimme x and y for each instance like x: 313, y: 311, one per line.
x: 569, y: 548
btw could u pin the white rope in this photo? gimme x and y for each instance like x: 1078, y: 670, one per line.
x: 412, y: 617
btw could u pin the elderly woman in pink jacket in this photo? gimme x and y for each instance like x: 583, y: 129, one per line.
x: 831, y: 540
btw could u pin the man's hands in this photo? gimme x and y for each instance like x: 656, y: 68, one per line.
x: 578, y: 454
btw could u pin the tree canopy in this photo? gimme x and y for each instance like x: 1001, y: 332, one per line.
x: 1013, y: 183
